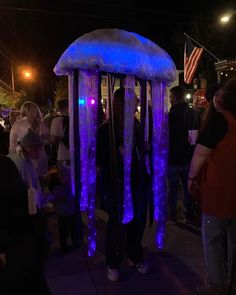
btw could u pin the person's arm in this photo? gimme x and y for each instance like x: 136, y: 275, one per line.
x: 44, y: 132
x: 200, y: 156
x: 13, y: 140
x: 211, y: 135
x: 55, y: 131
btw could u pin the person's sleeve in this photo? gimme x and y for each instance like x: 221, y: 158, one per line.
x: 192, y: 119
x: 214, y: 131
x: 13, y: 139
x: 55, y: 127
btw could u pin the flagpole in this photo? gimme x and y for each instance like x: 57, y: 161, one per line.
x: 203, y: 47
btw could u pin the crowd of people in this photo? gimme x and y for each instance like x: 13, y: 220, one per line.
x: 36, y: 162
x: 36, y: 173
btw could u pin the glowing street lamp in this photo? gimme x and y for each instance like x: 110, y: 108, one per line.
x: 227, y: 17
x: 27, y: 74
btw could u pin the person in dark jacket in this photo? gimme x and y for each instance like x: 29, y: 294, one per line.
x: 21, y: 237
x: 121, y: 238
x: 182, y: 119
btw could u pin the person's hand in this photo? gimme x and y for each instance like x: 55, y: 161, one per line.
x: 48, y: 197
x: 2, y: 260
x: 193, y: 187
x: 189, y: 139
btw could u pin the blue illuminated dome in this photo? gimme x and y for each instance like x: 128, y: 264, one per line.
x: 117, y: 51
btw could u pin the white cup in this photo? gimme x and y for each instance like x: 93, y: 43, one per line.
x: 193, y: 135
x: 32, y: 201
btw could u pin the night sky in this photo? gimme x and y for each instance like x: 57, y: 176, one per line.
x: 37, y: 32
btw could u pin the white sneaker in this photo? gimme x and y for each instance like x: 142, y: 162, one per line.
x: 142, y: 268
x: 113, y: 275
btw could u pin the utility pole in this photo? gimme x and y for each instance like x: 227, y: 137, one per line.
x: 12, y: 78
x: 12, y: 71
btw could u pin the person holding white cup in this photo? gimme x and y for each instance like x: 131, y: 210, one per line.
x: 184, y: 123
x: 192, y: 136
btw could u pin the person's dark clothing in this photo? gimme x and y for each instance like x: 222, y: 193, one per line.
x: 122, y: 237
x: 181, y: 119
x: 176, y: 174
x: 21, y: 236
x: 214, y: 132
x: 112, y: 205
x: 70, y: 225
x: 68, y: 214
x: 4, y: 142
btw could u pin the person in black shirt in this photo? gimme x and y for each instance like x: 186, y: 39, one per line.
x: 212, y: 178
x: 182, y: 118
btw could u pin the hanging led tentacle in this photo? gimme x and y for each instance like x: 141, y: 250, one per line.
x: 84, y: 137
x: 71, y: 84
x: 157, y: 125
x: 129, y: 110
x: 159, y: 161
x: 164, y: 147
x: 92, y: 130
x: 146, y: 130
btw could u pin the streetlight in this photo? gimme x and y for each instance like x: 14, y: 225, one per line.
x: 27, y: 74
x: 227, y: 16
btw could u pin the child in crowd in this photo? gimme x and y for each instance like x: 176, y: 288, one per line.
x: 66, y: 207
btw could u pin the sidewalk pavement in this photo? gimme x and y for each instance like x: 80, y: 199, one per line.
x: 176, y: 270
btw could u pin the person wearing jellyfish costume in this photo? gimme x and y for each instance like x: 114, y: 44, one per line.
x: 121, y: 238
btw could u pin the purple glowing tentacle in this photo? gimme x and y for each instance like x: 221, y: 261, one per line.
x: 84, y: 147
x: 129, y: 110
x: 71, y: 131
x: 164, y: 146
x: 159, y: 159
x: 92, y: 123
x: 88, y: 100
x: 157, y: 125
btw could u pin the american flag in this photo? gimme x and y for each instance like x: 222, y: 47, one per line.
x: 192, y: 55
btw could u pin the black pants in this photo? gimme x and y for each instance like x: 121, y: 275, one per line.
x: 124, y: 239
x: 70, y: 226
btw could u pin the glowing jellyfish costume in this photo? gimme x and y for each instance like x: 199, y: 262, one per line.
x: 131, y: 57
